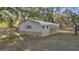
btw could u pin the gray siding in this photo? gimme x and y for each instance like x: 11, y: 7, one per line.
x: 35, y: 26
x: 37, y: 29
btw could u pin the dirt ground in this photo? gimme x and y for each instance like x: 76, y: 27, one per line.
x: 64, y: 41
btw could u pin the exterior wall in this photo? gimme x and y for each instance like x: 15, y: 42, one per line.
x: 35, y: 34
x: 35, y: 26
x: 54, y: 29
x: 35, y: 30
x: 45, y: 31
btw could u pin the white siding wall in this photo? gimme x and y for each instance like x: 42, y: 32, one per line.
x: 54, y: 29
x: 35, y: 26
x: 46, y: 31
x: 38, y: 29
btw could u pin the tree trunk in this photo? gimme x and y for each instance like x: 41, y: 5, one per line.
x: 10, y: 34
x: 60, y: 25
x: 75, y: 29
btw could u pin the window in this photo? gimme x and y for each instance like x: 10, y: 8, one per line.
x: 29, y: 27
x: 42, y: 26
x: 47, y: 26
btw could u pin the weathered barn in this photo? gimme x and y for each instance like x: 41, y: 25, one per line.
x: 38, y: 28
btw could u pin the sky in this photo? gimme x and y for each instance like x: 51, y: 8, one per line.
x: 73, y: 9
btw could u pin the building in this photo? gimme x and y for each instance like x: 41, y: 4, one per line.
x: 38, y: 28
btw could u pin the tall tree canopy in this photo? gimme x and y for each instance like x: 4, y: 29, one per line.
x: 12, y: 16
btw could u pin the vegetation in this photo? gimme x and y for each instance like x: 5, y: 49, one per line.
x: 16, y: 14
x: 12, y: 16
x: 66, y: 17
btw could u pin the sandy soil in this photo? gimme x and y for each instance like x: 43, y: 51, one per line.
x: 58, y: 42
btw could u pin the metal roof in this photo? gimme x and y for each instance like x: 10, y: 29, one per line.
x: 42, y: 22
x: 45, y: 23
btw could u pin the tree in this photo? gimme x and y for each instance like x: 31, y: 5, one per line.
x: 11, y: 16
x: 73, y: 15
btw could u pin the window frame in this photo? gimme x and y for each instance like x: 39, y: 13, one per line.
x: 28, y: 27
